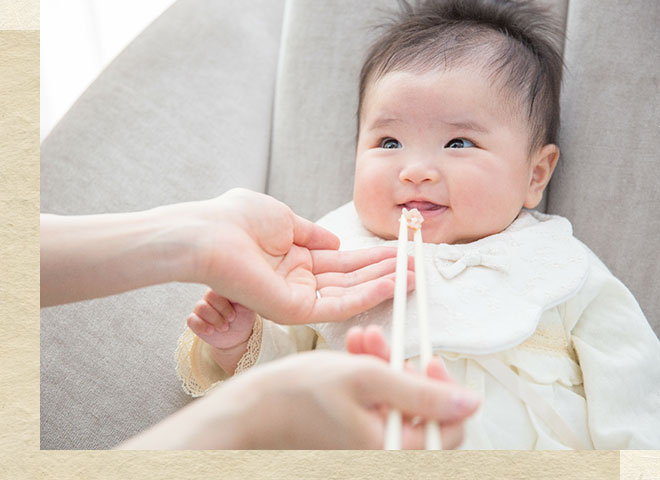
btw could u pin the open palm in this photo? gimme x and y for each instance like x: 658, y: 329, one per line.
x: 274, y: 262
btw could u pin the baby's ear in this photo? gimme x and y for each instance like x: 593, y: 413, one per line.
x: 543, y: 163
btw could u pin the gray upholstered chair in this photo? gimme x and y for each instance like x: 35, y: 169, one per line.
x: 262, y: 94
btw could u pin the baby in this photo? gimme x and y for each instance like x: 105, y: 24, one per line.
x: 458, y: 117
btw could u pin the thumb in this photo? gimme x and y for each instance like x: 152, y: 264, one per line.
x: 415, y: 395
x: 437, y: 369
x: 309, y: 235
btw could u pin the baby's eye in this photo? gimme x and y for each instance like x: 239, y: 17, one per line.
x: 459, y: 143
x: 390, y: 143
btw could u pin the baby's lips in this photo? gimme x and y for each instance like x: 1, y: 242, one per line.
x: 422, y: 205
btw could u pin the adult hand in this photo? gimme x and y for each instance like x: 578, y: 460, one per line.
x: 371, y: 341
x: 254, y: 251
x: 314, y: 400
x: 248, y: 247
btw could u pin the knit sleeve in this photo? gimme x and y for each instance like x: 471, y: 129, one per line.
x: 199, y: 373
x: 619, y: 355
x: 274, y: 341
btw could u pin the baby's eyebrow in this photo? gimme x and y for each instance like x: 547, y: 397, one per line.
x: 384, y: 122
x: 467, y: 125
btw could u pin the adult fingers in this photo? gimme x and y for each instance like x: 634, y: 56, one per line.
x: 374, y: 342
x: 370, y: 272
x: 413, y: 436
x: 354, y: 340
x: 338, y: 304
x: 309, y: 235
x: 370, y: 341
x: 415, y: 395
x: 348, y: 260
x: 356, y: 277
x: 363, y: 289
x: 437, y: 369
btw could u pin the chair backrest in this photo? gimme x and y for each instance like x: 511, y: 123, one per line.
x: 183, y: 113
x: 608, y: 179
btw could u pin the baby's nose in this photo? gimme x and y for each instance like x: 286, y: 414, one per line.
x: 419, y: 171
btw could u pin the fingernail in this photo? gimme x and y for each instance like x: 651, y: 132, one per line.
x: 465, y: 400
x: 224, y: 327
x: 231, y: 317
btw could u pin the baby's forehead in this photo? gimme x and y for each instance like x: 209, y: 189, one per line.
x: 523, y: 66
x: 470, y: 85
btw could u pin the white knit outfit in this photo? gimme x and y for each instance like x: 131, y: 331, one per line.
x: 529, y: 318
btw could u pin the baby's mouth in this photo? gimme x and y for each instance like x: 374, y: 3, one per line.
x: 422, y: 205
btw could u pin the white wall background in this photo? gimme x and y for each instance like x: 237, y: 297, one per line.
x: 79, y: 38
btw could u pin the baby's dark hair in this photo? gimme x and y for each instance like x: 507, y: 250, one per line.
x: 517, y: 42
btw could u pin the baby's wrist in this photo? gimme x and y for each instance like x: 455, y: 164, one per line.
x: 227, y: 358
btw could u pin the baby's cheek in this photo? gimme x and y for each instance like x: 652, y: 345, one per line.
x: 372, y: 212
x: 367, y: 191
x: 491, y: 213
x: 365, y: 204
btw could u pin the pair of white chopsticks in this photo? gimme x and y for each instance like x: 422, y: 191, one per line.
x: 412, y: 219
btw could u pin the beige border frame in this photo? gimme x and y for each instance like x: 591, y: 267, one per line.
x: 20, y: 456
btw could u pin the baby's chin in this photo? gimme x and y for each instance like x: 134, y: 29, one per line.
x: 426, y: 236
x: 390, y: 231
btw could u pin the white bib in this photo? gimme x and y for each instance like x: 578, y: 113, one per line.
x: 484, y: 297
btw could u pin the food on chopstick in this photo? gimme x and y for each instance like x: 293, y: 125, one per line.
x: 413, y: 218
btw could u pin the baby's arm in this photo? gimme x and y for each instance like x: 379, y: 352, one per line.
x: 225, y: 338
x: 619, y: 357
x: 225, y: 326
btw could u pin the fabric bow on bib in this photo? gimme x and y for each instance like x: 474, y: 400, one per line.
x: 451, y: 261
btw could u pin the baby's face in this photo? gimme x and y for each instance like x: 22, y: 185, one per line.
x: 448, y: 144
